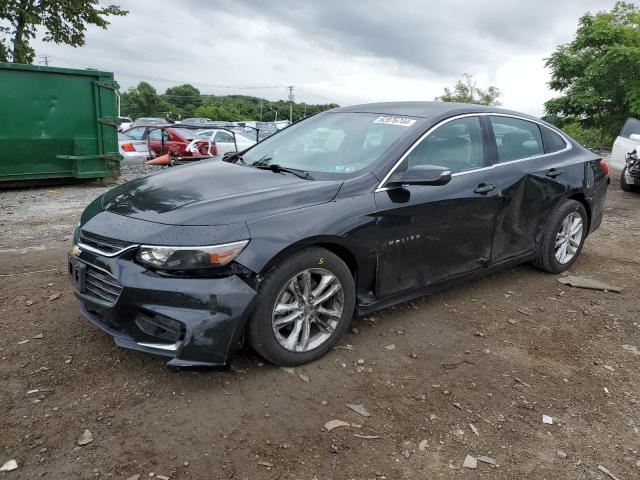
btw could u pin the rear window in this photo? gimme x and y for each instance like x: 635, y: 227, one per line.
x: 630, y: 128
x: 552, y: 141
x: 135, y: 133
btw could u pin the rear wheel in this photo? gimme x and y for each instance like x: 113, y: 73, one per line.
x: 563, y: 239
x: 623, y: 182
x: 305, y: 304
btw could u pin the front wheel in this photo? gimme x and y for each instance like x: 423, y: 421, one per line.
x: 304, y: 305
x: 563, y: 239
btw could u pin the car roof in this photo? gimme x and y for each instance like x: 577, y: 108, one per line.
x: 424, y: 109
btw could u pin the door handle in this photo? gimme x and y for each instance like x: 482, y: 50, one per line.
x: 483, y: 188
x: 554, y: 172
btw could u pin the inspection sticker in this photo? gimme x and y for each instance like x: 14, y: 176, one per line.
x: 402, y: 122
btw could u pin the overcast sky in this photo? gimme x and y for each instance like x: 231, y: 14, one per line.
x: 345, y: 51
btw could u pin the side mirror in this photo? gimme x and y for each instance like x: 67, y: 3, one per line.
x: 421, y: 175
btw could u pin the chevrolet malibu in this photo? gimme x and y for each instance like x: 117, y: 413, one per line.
x: 343, y: 213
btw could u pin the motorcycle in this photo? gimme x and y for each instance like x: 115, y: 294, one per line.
x: 630, y: 177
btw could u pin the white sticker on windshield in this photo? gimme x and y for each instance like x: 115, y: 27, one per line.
x: 402, y: 122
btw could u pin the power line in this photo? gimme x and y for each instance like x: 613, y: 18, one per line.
x: 211, y: 85
x: 160, y: 79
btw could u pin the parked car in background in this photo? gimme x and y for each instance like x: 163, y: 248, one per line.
x: 135, y: 152
x: 179, y: 142
x: 626, y: 142
x: 124, y: 123
x: 345, y: 212
x: 149, y: 121
x: 224, y: 140
x: 195, y: 122
x: 630, y: 176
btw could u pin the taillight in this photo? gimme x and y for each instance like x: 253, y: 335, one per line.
x: 605, y: 167
x: 128, y: 147
x: 214, y: 149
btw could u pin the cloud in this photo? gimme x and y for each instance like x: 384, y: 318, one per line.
x: 344, y: 51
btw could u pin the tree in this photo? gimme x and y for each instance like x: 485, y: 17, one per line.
x: 183, y: 95
x: 597, y: 73
x: 467, y: 91
x: 63, y: 21
x: 142, y: 101
x: 218, y: 113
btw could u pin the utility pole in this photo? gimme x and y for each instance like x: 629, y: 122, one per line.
x: 291, y: 98
x: 260, y: 109
x: 46, y: 60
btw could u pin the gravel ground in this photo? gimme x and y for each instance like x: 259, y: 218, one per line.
x: 469, y: 371
x: 35, y: 218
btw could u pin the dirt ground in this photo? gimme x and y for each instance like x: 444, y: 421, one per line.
x: 472, y: 372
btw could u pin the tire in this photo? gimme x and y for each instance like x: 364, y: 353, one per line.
x: 547, y: 259
x: 278, y: 288
x: 624, y: 185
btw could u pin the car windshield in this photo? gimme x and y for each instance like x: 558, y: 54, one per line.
x: 205, y: 134
x: 336, y: 143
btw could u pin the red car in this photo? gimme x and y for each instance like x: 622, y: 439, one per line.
x: 179, y: 142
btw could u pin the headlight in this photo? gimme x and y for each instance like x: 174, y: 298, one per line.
x: 189, y: 258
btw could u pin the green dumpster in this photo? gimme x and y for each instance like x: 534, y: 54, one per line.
x: 57, y: 123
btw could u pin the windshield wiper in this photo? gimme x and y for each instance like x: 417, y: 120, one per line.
x: 274, y: 167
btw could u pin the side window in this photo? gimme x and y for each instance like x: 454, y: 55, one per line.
x: 157, y: 134
x: 552, y: 141
x: 456, y: 145
x: 223, y: 137
x: 134, y: 133
x: 630, y: 128
x: 516, y: 138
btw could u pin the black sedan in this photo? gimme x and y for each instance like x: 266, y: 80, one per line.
x: 343, y: 213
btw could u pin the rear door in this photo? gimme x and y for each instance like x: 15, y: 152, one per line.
x: 626, y: 142
x: 160, y: 142
x: 530, y: 174
x: 224, y: 142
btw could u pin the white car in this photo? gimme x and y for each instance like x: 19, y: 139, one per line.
x: 626, y: 142
x: 224, y: 140
x: 135, y: 152
x: 124, y: 123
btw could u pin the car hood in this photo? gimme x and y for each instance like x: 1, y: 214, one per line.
x: 213, y: 192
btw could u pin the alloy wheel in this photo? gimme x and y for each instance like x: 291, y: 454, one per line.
x: 568, y: 238
x: 307, y: 310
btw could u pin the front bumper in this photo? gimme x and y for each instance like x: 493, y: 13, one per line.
x: 192, y: 321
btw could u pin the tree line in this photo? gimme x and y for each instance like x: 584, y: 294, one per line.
x: 183, y: 101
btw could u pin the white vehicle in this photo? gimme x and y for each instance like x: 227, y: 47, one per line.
x: 124, y: 123
x: 224, y: 140
x: 135, y: 152
x: 626, y: 142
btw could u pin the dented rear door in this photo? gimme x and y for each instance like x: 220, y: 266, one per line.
x: 531, y: 183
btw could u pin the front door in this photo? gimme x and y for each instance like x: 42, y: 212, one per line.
x: 431, y: 233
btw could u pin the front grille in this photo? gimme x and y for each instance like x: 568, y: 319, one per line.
x: 102, y: 286
x: 104, y: 244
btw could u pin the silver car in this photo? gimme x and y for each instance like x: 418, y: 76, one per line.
x: 135, y: 152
